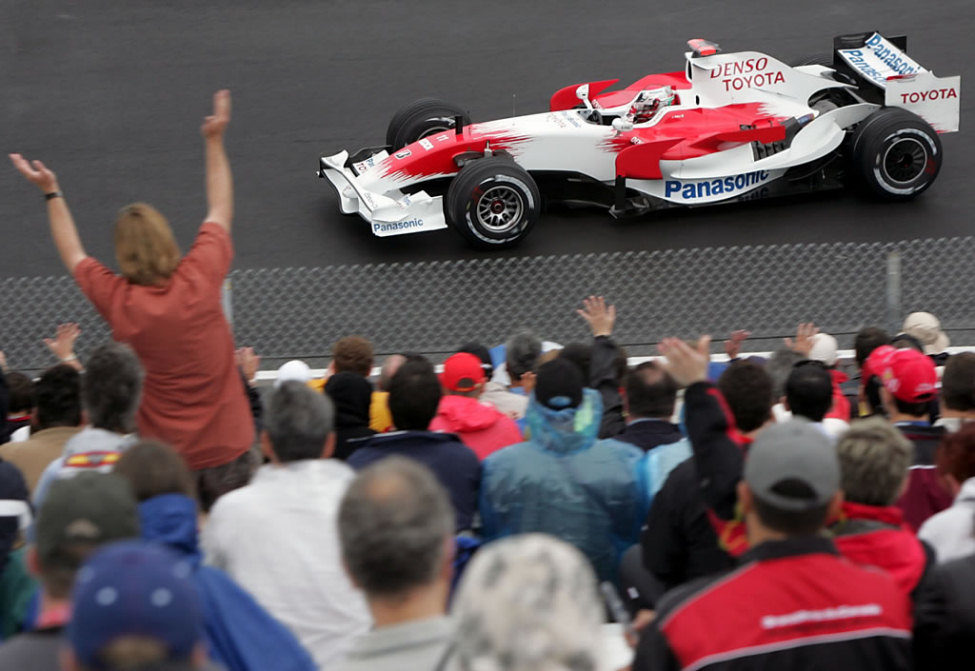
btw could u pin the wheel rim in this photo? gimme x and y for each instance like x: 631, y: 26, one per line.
x: 500, y: 209
x: 904, y: 160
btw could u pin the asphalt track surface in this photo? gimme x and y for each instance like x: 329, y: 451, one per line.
x: 110, y: 95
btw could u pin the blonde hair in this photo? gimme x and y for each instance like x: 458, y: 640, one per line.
x: 145, y: 248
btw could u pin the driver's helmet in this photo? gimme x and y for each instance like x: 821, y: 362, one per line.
x: 648, y: 103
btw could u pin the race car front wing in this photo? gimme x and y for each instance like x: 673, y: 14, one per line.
x: 411, y: 213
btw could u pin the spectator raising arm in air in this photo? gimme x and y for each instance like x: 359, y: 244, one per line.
x: 219, y: 180
x: 63, y: 230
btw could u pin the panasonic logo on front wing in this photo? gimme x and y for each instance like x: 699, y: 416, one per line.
x: 404, y: 225
x: 727, y: 186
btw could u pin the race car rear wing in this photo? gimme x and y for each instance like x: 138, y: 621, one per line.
x: 897, y: 80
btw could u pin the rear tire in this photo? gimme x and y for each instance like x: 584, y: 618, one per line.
x: 896, y: 153
x: 420, y: 118
x: 493, y: 202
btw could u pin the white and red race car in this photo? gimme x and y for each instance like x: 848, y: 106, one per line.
x: 730, y: 126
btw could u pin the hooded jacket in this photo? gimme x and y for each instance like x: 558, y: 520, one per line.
x: 480, y: 426
x: 240, y: 634
x: 877, y: 536
x: 566, y: 483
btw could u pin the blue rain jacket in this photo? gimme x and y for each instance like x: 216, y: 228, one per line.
x: 240, y: 634
x: 564, y: 482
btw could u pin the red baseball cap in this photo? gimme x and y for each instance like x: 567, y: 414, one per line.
x: 906, y: 373
x: 462, y: 372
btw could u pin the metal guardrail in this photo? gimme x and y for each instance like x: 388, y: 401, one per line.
x: 433, y: 307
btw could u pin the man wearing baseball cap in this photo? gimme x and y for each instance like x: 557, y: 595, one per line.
x: 480, y: 426
x: 135, y: 607
x: 909, y: 383
x: 78, y: 516
x: 793, y: 602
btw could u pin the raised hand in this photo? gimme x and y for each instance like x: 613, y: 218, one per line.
x: 36, y: 173
x: 62, y: 344
x: 732, y: 346
x: 803, y: 343
x: 215, y: 124
x: 686, y: 364
x: 601, y: 317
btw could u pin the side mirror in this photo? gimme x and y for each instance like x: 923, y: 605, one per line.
x: 582, y: 93
x: 621, y: 124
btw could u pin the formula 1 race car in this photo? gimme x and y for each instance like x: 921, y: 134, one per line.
x: 730, y: 126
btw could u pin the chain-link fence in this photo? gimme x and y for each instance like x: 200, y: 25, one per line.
x: 433, y: 307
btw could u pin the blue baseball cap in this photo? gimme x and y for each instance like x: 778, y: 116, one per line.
x: 134, y: 588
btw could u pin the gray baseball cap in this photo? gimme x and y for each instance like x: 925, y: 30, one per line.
x: 795, y: 450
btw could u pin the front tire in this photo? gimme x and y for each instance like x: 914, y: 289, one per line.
x: 896, y: 153
x: 493, y: 202
x: 421, y: 118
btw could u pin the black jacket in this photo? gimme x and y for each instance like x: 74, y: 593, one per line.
x: 944, y: 617
x: 602, y: 378
x: 679, y: 543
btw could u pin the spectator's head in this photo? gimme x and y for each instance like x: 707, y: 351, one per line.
x: 482, y: 353
x: 396, y: 529
x: 111, y: 387
x: 58, y: 397
x: 908, y: 377
x: 874, y: 460
x: 824, y: 349
x: 463, y: 375
x: 579, y: 354
x: 351, y: 396
x: 791, y: 483
x: 353, y: 354
x: 748, y: 390
x: 78, y: 516
x: 521, y: 352
x: 809, y: 390
x: 528, y: 602
x: 650, y: 392
x: 153, y: 469
x: 866, y: 341
x: 956, y: 454
x: 414, y: 394
x: 388, y: 370
x: 779, y: 366
x: 22, y: 394
x: 559, y: 385
x: 144, y: 245
x: 958, y: 385
x: 927, y: 329
x: 135, y: 607
x: 298, y: 424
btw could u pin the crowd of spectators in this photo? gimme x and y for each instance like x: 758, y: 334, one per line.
x: 551, y: 508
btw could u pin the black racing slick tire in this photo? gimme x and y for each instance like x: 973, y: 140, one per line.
x: 493, y: 202
x: 420, y: 118
x: 895, y: 153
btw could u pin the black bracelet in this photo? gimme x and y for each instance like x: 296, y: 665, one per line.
x: 53, y: 195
